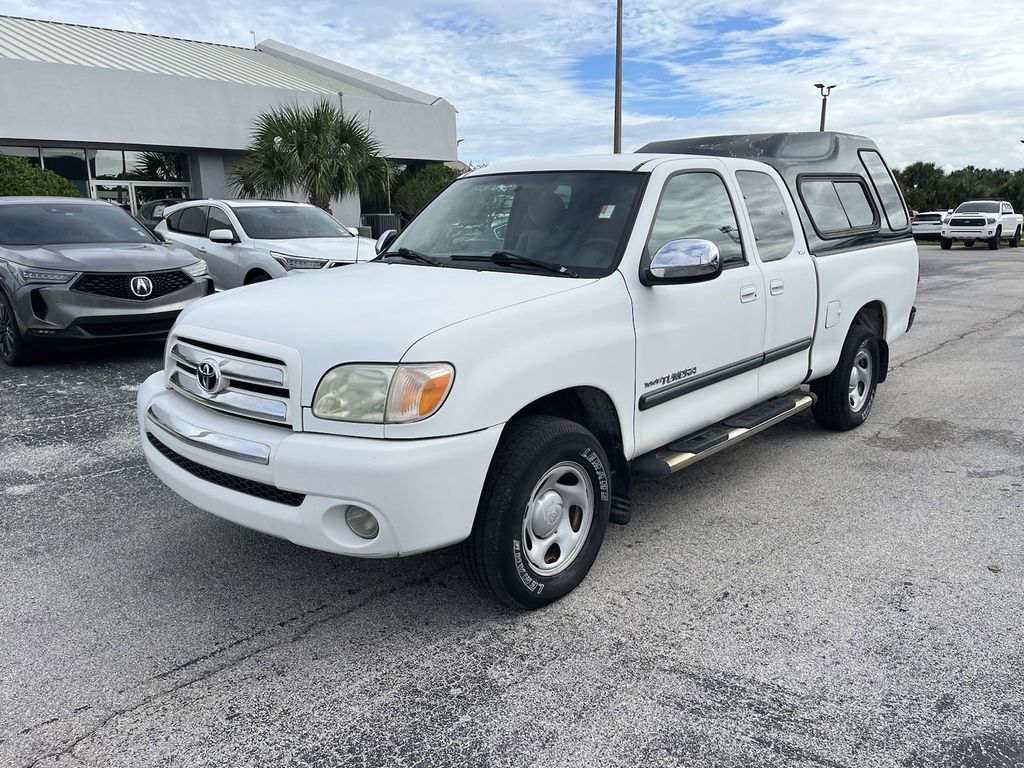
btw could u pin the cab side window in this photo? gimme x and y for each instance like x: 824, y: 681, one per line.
x: 217, y: 219
x: 773, y: 230
x: 173, y: 219
x: 193, y: 221
x: 696, y: 205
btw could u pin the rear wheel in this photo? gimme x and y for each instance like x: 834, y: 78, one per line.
x: 993, y: 243
x: 846, y: 395
x: 945, y: 243
x: 542, y: 514
x: 14, y: 348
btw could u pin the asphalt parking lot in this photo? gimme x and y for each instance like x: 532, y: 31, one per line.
x: 806, y: 599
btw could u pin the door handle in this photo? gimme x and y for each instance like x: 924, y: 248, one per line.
x: 775, y: 287
x: 748, y: 293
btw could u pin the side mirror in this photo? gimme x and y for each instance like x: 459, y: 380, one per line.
x: 386, y: 239
x: 159, y: 235
x: 225, y: 236
x: 354, y: 231
x: 683, y: 261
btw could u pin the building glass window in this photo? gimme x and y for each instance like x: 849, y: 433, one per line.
x: 69, y: 163
x: 156, y: 166
x: 29, y: 153
x: 106, y: 163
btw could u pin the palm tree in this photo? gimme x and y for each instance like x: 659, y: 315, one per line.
x: 316, y: 149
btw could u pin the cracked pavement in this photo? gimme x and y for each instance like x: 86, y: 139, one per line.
x: 805, y: 599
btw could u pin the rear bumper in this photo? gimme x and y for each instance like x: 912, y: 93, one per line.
x: 57, y: 312
x: 423, y: 493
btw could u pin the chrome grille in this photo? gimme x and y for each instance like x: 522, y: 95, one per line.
x: 249, y: 385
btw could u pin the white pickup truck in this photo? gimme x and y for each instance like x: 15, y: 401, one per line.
x: 540, y: 335
x: 988, y: 220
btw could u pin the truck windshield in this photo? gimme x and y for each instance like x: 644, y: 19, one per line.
x: 978, y: 206
x: 577, y: 221
x: 68, y: 223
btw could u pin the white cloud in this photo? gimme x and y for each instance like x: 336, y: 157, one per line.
x: 935, y: 81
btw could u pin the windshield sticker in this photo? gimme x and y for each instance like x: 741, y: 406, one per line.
x: 606, y: 212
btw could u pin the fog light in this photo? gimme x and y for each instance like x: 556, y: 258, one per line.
x: 362, y: 522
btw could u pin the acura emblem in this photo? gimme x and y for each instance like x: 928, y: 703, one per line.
x: 209, y: 377
x: 142, y: 286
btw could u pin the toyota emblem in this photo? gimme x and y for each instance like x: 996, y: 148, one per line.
x: 209, y: 377
x: 142, y: 286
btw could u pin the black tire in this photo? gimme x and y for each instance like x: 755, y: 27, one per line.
x: 993, y: 243
x: 495, y: 553
x: 1015, y: 240
x: 14, y: 348
x: 945, y: 243
x: 968, y: 243
x: 833, y: 408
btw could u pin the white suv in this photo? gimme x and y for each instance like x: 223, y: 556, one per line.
x: 248, y: 241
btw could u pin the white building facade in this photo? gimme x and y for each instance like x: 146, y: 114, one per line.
x: 133, y: 117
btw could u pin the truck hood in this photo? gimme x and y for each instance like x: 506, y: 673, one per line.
x: 371, y: 312
x: 112, y: 257
x: 331, y: 248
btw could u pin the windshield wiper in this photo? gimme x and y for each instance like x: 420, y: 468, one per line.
x: 411, y: 255
x: 511, y: 257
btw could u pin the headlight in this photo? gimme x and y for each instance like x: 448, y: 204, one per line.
x: 27, y: 275
x: 197, y: 270
x: 990, y: 221
x: 379, y: 394
x: 297, y: 262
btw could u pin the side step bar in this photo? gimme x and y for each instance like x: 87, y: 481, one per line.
x: 692, y: 448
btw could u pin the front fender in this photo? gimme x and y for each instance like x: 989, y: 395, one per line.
x: 507, y: 359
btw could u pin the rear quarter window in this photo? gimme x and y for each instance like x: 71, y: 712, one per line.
x: 838, y: 205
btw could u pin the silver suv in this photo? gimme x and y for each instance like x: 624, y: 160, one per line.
x: 248, y: 241
x: 85, y: 269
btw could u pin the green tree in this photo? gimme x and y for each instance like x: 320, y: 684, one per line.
x: 19, y: 177
x: 315, y: 149
x: 421, y: 187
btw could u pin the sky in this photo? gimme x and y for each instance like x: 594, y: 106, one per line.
x: 937, y: 81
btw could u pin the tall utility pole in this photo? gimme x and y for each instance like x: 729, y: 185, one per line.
x: 617, y: 142
x: 825, y: 91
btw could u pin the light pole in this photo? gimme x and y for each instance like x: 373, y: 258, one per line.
x: 825, y: 91
x: 617, y: 140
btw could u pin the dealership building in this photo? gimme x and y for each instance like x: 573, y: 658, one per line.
x: 134, y: 117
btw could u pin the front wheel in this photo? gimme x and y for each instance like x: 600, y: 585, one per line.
x: 993, y: 243
x: 14, y: 348
x: 846, y: 395
x: 945, y: 243
x: 1015, y: 240
x: 542, y: 514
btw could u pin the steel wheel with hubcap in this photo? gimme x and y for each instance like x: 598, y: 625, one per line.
x: 13, y: 348
x: 543, y: 512
x: 861, y: 379
x: 558, y: 518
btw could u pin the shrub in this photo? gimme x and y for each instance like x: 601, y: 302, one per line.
x: 422, y: 187
x: 19, y: 177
